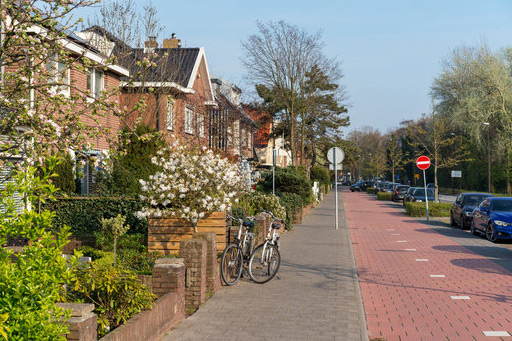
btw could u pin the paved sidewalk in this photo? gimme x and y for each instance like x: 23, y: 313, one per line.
x: 427, y: 282
x: 315, y: 297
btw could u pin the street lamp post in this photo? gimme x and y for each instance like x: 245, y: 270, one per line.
x: 488, y: 156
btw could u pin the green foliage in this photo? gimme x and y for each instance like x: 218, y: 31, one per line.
x: 418, y: 209
x: 320, y: 174
x: 132, y: 252
x: 370, y: 190
x: 116, y: 293
x: 84, y: 214
x: 290, y: 180
x: 292, y: 203
x: 31, y: 281
x: 115, y: 228
x: 253, y: 203
x: 386, y: 196
x: 65, y: 181
x: 132, y: 161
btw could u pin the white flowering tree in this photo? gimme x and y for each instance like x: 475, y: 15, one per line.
x: 191, y: 183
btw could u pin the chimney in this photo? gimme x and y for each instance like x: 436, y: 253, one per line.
x: 151, y: 44
x: 172, y: 43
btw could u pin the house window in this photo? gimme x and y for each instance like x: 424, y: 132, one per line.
x: 189, y: 117
x: 60, y: 74
x: 200, y: 125
x: 170, y: 114
x: 95, y: 82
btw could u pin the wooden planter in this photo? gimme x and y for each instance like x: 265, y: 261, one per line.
x: 165, y: 234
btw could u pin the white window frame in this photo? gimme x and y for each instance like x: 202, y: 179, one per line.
x: 170, y: 114
x: 92, y: 79
x: 200, y: 125
x: 189, y: 120
x: 60, y: 72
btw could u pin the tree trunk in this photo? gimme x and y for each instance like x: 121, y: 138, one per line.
x: 507, y: 170
x: 302, y: 141
x: 293, y: 145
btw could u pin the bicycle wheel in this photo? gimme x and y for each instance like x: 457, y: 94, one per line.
x: 264, y: 263
x: 231, y: 264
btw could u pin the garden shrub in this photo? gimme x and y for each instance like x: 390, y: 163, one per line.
x: 131, y: 162
x: 321, y: 174
x: 418, y: 209
x: 31, y: 281
x: 370, y: 190
x: 65, y: 181
x: 289, y: 180
x: 386, y: 196
x: 252, y: 203
x: 293, y: 204
x: 116, y: 293
x: 84, y: 215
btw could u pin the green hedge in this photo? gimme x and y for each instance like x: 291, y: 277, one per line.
x: 84, y: 214
x: 289, y: 180
x: 417, y: 209
x: 292, y: 203
x: 370, y: 190
x: 384, y: 196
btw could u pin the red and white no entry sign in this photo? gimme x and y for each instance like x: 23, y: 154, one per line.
x: 423, y: 162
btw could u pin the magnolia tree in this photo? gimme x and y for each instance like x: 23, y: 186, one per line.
x: 191, y: 183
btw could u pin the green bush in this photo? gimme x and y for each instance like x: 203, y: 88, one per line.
x: 253, y: 203
x: 116, y: 293
x: 65, y: 181
x: 321, y: 174
x: 384, y: 196
x: 84, y: 215
x: 32, y: 280
x: 370, y: 190
x: 289, y: 180
x: 292, y: 203
x: 418, y: 209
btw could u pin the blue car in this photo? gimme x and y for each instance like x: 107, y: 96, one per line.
x: 493, y: 216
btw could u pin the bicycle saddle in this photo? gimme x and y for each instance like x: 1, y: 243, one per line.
x: 249, y: 224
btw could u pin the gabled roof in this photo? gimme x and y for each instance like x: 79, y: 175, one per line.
x: 172, y: 65
x: 226, y: 104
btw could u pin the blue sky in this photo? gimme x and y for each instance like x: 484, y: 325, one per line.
x: 391, y: 50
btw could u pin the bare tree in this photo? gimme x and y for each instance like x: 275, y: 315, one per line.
x: 278, y: 58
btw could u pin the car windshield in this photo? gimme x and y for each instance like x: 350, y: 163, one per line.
x: 421, y: 192
x: 502, y: 205
x: 474, y: 199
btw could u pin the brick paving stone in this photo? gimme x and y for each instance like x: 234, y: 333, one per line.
x: 315, y: 295
x: 401, y: 300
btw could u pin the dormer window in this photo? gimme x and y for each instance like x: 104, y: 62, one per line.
x: 95, y: 82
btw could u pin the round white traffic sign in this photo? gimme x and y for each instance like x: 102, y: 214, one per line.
x: 335, y: 153
x: 423, y: 162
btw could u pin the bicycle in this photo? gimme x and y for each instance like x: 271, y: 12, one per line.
x: 237, y: 253
x: 265, y: 260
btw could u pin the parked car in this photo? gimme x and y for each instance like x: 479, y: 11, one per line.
x: 398, y: 194
x: 366, y: 184
x: 463, y: 206
x: 418, y: 195
x: 493, y: 217
x: 431, y: 186
x: 380, y: 185
x: 408, y: 194
x: 356, y: 186
x: 389, y: 187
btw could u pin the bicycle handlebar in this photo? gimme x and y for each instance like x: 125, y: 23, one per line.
x: 273, y: 216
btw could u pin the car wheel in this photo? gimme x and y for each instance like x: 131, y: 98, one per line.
x: 452, y: 221
x: 472, y: 228
x: 490, y: 233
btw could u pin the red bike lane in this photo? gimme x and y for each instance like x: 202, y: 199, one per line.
x: 418, y: 284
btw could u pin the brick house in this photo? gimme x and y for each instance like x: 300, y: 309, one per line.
x: 266, y: 144
x: 169, y: 87
x: 231, y: 128
x: 86, y: 84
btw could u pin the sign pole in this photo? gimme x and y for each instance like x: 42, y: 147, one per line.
x: 336, y: 191
x: 426, y: 197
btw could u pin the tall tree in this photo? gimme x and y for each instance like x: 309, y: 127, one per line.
x: 394, y: 156
x: 278, y: 58
x: 475, y: 87
x: 322, y: 114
